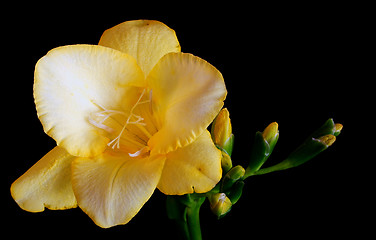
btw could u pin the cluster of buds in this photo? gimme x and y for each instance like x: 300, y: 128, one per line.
x: 229, y: 189
x: 317, y: 142
x: 184, y: 209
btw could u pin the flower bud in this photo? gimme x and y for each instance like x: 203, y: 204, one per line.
x: 232, y: 176
x: 271, y: 135
x: 221, y: 131
x: 328, y: 140
x: 262, y: 148
x: 337, y: 129
x: 317, y: 142
x: 226, y: 162
x: 270, y: 132
x: 220, y: 204
x: 329, y: 127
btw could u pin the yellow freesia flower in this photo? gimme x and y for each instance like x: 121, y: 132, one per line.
x: 128, y: 115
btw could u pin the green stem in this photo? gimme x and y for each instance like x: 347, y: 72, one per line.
x: 278, y: 167
x: 185, y: 210
x: 193, y: 222
x: 193, y: 218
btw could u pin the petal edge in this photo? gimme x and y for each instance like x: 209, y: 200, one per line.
x: 46, y: 184
x: 146, y: 40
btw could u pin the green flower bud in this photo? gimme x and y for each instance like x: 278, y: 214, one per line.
x: 220, y: 204
x: 232, y: 176
x: 262, y: 148
x: 226, y: 162
x: 317, y: 142
x: 329, y: 127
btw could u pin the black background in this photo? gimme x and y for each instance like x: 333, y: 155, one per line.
x: 293, y: 64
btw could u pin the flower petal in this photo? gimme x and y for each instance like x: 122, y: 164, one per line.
x: 113, y: 187
x: 147, y: 41
x: 46, y: 184
x: 187, y: 94
x: 194, y: 168
x: 72, y: 82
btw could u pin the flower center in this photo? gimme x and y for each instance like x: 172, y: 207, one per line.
x: 128, y: 130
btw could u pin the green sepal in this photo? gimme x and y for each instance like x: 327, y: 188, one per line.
x: 273, y: 143
x: 235, y: 192
x: 327, y: 128
x: 229, y: 144
x: 259, y: 153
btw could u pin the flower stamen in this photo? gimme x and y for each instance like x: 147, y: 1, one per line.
x: 98, y: 119
x: 138, y: 122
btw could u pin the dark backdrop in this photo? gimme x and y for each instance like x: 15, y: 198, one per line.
x: 286, y: 63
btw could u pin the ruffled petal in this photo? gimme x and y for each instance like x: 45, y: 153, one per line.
x: 194, y: 168
x: 147, y: 41
x: 72, y: 83
x: 187, y: 94
x: 113, y: 187
x: 46, y: 184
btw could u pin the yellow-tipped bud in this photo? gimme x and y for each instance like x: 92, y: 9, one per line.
x: 337, y: 129
x: 232, y: 176
x: 221, y: 131
x: 226, y: 162
x: 220, y: 204
x: 328, y: 140
x: 270, y: 133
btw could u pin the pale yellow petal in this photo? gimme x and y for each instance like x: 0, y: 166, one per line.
x: 46, y: 184
x: 146, y: 40
x: 113, y: 187
x: 187, y: 94
x: 194, y: 168
x: 72, y: 83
